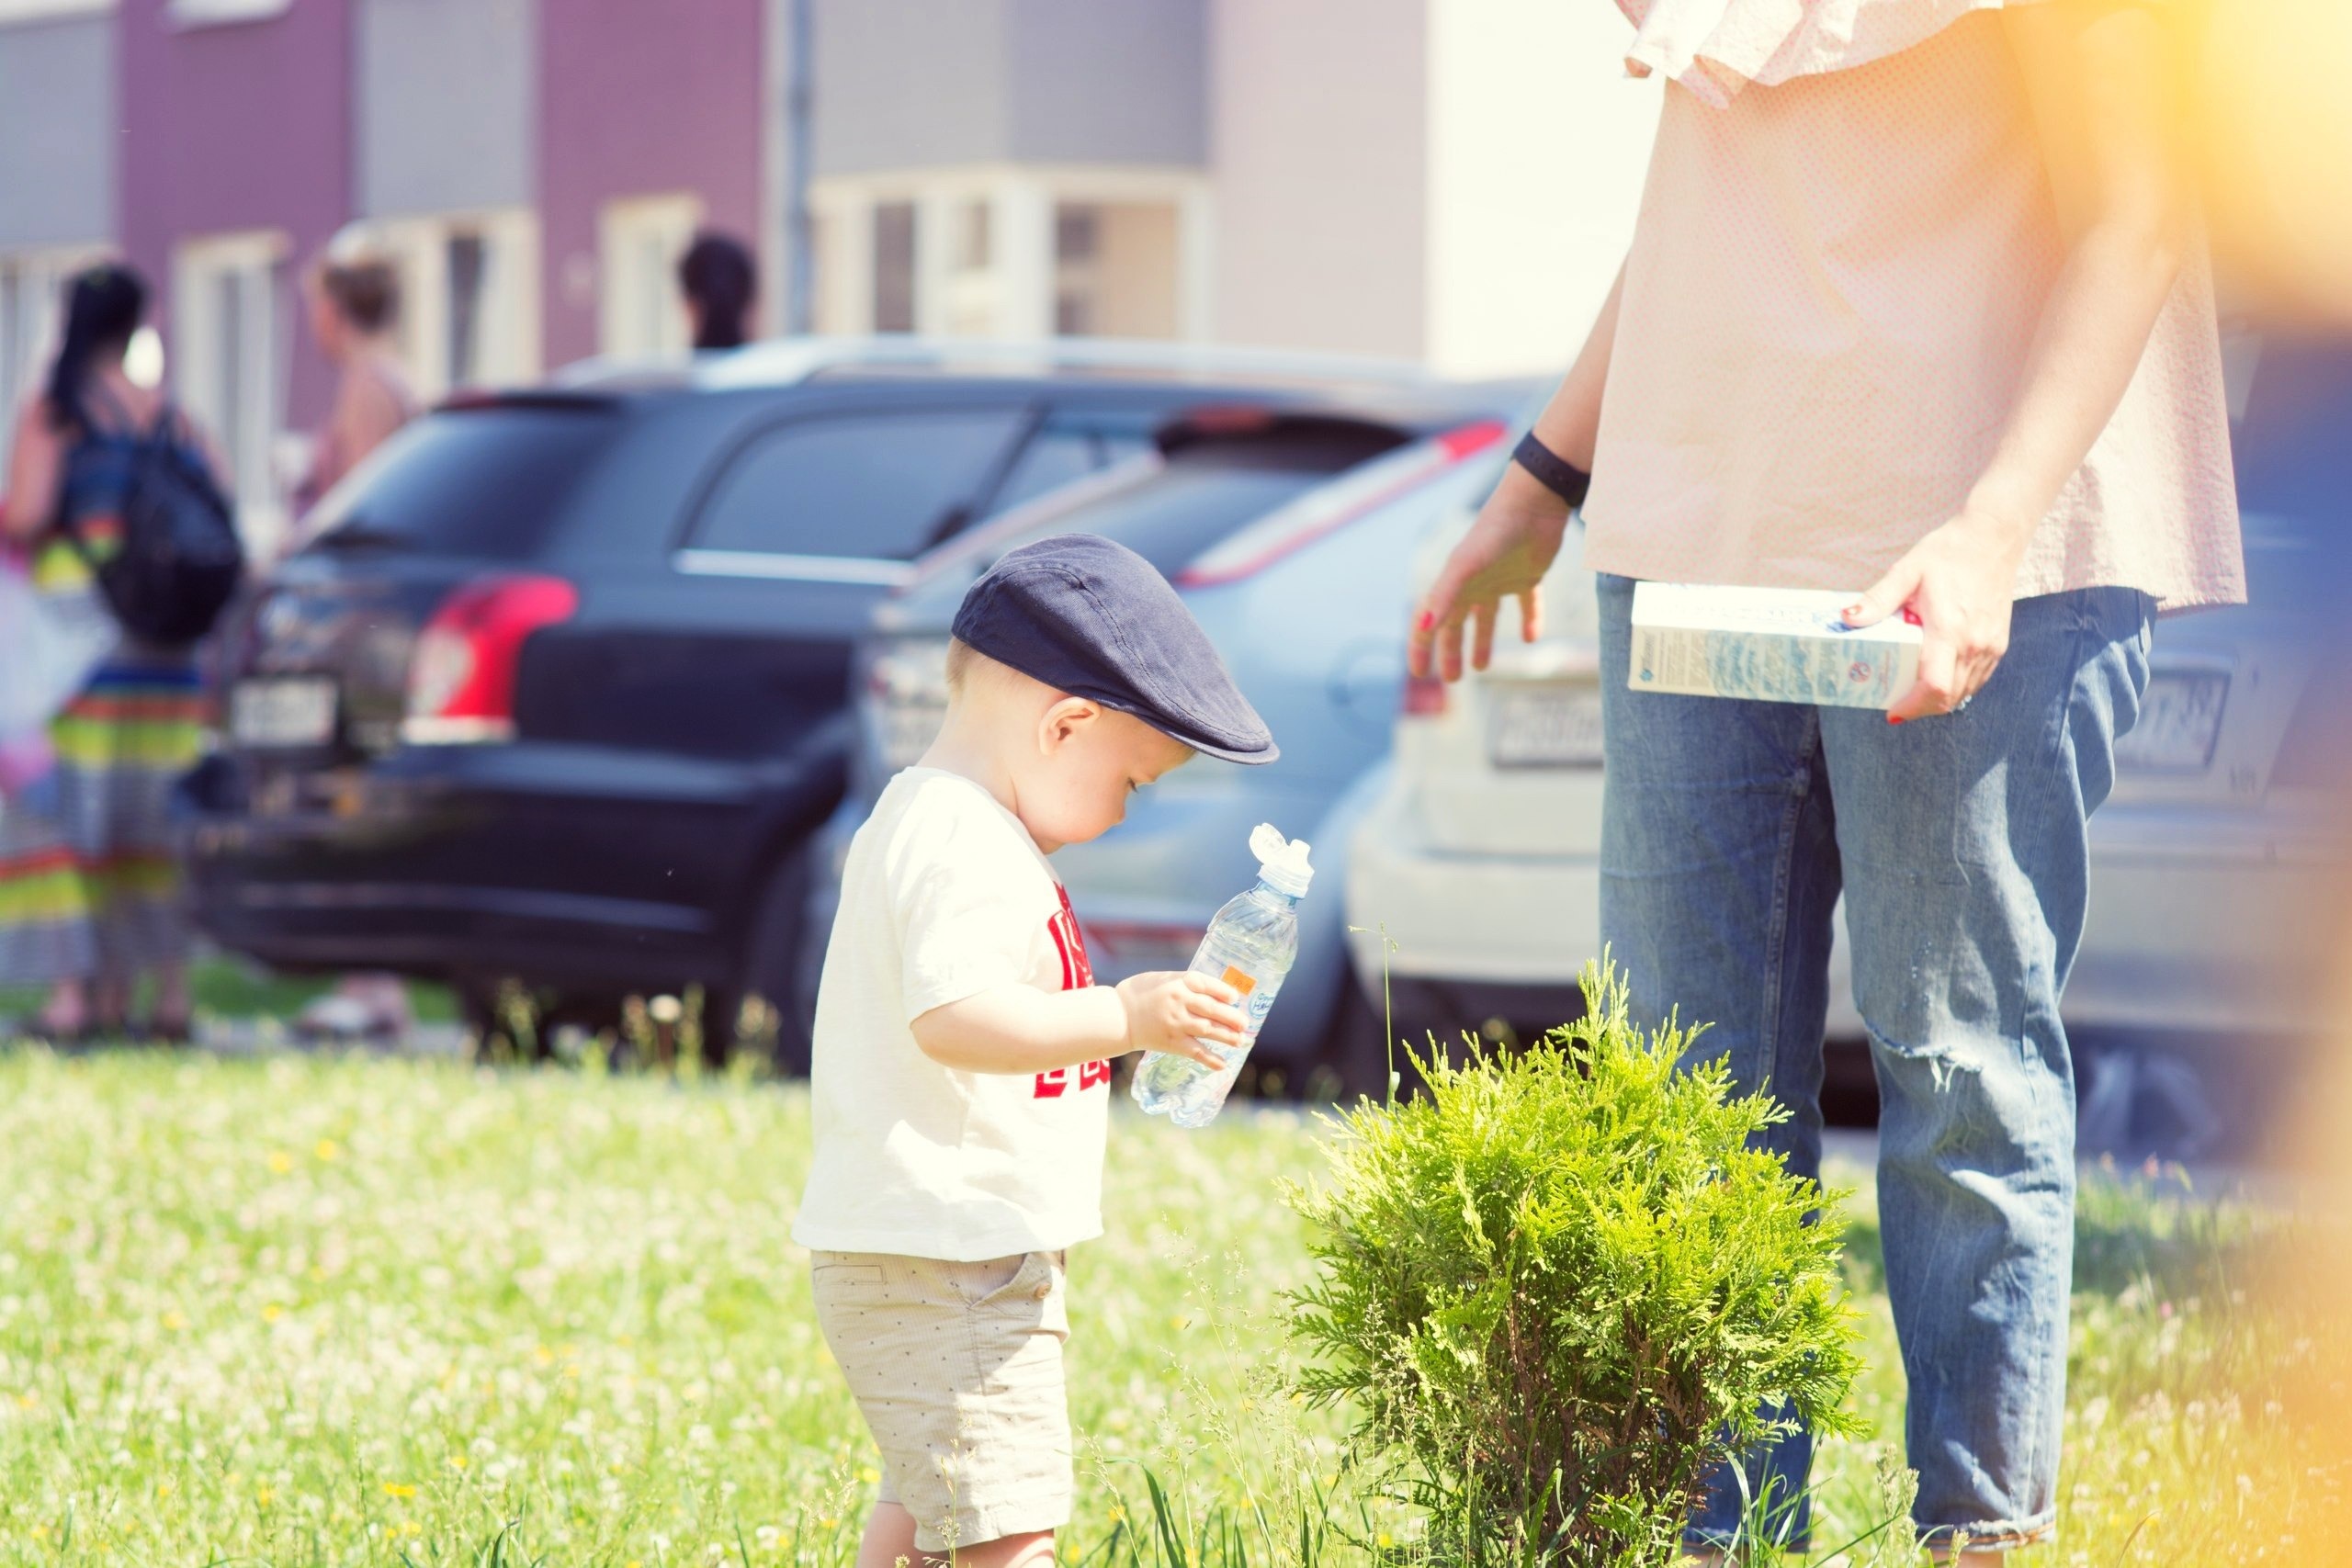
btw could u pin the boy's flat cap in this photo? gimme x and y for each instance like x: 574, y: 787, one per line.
x: 1088, y: 616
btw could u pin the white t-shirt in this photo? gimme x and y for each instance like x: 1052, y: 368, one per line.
x: 945, y: 896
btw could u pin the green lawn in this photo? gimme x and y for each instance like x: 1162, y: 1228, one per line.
x: 229, y: 987
x: 338, y: 1311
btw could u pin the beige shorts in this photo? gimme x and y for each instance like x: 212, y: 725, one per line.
x: 958, y: 1367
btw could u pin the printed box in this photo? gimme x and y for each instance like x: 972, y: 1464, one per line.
x: 1774, y: 645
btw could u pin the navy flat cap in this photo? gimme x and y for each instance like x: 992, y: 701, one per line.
x: 1088, y: 616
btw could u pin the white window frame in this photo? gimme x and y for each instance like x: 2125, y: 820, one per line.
x: 508, y: 351
x: 640, y: 239
x: 15, y: 11
x: 32, y: 314
x: 251, y: 445
x: 223, y: 13
x: 1012, y: 296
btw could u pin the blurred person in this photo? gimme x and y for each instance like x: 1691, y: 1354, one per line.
x: 1914, y: 305
x: 89, y: 889
x: 355, y: 309
x: 721, y: 283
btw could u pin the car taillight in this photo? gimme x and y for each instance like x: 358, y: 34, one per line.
x: 1328, y: 508
x: 1424, y: 697
x: 461, y: 674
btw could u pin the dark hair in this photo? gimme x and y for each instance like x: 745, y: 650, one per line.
x: 365, y: 293
x: 717, y: 275
x: 104, y: 305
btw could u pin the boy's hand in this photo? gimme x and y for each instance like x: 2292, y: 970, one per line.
x: 1175, y: 1009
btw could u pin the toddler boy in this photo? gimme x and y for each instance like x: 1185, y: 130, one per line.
x: 961, y: 1073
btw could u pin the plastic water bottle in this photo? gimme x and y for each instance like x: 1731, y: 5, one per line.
x: 1251, y: 946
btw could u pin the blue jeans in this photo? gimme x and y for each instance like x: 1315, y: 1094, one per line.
x: 1729, y: 829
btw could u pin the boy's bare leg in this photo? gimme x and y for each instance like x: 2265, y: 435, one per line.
x: 890, y: 1541
x: 1034, y: 1550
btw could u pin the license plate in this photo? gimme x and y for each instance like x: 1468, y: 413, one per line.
x: 2180, y: 721
x: 1545, y: 727
x: 298, y: 712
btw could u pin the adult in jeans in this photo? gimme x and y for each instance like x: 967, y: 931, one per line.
x: 1914, y: 308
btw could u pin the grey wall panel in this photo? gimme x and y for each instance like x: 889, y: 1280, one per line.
x: 57, y: 132
x: 1108, y: 81
x: 445, y: 105
x: 908, y: 83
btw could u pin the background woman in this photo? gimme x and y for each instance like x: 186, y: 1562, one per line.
x: 1913, y: 306
x: 89, y: 890
x: 354, y: 308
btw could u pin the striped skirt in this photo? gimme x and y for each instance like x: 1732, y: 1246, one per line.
x: 88, y: 882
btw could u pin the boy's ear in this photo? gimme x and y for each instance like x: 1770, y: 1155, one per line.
x: 1064, y: 720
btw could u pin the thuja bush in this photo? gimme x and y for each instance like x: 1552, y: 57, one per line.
x: 1558, y: 1286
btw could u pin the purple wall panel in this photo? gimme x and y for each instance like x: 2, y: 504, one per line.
x: 638, y: 97
x: 233, y: 127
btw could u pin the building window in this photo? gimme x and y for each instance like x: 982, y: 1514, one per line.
x: 227, y: 296
x: 32, y: 305
x: 643, y: 316
x: 464, y: 260
x: 1115, y: 269
x: 894, y: 267
x: 1013, y: 252
x: 972, y: 237
x: 469, y: 297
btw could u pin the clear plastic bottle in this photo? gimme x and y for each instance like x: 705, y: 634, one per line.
x: 1251, y: 946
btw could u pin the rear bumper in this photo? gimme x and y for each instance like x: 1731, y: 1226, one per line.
x: 546, y: 861
x: 2200, y: 922
x: 1497, y: 921
x: 2208, y: 921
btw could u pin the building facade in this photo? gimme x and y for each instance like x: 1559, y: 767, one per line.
x: 1449, y: 181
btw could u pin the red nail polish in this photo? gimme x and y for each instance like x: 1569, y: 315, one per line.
x: 1428, y: 619
x: 1911, y: 614
x: 1891, y: 719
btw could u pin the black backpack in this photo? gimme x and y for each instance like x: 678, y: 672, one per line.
x: 180, y: 560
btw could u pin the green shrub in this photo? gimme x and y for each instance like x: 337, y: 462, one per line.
x: 1559, y: 1285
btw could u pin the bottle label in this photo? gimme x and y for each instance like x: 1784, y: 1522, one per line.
x: 1242, y: 984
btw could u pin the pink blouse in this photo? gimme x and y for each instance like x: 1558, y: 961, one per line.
x: 1841, y: 258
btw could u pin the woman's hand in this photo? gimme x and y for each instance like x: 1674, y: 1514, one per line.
x: 1504, y: 555
x: 1957, y: 584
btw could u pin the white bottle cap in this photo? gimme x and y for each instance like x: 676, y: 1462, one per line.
x: 1281, y: 862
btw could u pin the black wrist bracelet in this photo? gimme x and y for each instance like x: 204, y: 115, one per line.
x: 1552, y: 471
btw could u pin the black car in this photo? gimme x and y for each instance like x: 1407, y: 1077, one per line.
x: 559, y: 693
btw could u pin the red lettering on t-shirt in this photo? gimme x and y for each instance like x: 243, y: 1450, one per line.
x: 1077, y: 973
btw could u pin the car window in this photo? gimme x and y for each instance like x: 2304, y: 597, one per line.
x: 1052, y: 458
x: 481, y: 481
x: 1208, y: 490
x: 874, y: 486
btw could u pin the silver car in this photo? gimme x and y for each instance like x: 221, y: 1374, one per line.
x: 1290, y: 534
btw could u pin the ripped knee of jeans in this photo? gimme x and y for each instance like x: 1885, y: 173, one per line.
x: 1944, y: 1053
